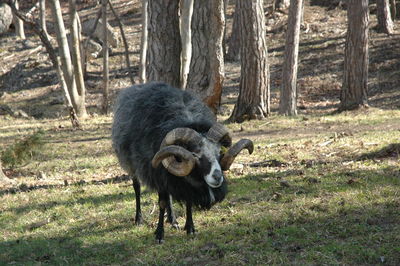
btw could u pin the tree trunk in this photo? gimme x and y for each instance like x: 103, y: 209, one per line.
x: 282, y: 4
x: 65, y: 57
x: 206, y: 73
x: 143, y: 42
x: 288, y: 97
x: 186, y: 37
x: 233, y: 53
x: 355, y: 78
x: 19, y: 25
x: 393, y: 10
x: 164, y: 44
x: 76, y: 53
x: 42, y: 16
x: 254, y: 92
x: 385, y: 23
x: 105, y: 56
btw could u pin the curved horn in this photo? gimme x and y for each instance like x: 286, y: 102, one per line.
x: 219, y: 133
x: 231, y: 154
x: 166, y: 155
x: 185, y: 135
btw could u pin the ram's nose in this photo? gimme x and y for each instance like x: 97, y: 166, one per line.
x: 217, y: 176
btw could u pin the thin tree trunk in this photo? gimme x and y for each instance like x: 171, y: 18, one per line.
x: 90, y: 36
x: 385, y: 23
x: 143, y: 42
x: 55, y: 61
x: 288, y: 97
x: 42, y: 16
x: 19, y: 24
x: 105, y: 56
x: 254, y: 92
x: 66, y: 62
x: 186, y: 37
x: 355, y: 77
x: 233, y: 53
x: 206, y: 73
x: 164, y: 44
x: 76, y: 53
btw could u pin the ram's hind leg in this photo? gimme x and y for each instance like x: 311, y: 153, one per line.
x: 189, y: 226
x: 171, y: 218
x: 136, y: 187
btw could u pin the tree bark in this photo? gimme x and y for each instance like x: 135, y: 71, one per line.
x: 65, y: 57
x: 355, y: 78
x: 254, y: 91
x: 206, y: 73
x: 19, y: 24
x: 186, y: 37
x: 288, y: 97
x: 233, y: 53
x: 105, y: 56
x: 164, y: 44
x: 76, y: 53
x: 385, y: 22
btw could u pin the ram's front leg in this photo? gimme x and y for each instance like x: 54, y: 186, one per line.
x: 163, y: 203
x: 189, y: 226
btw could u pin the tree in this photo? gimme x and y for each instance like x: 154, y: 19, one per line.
x: 164, y: 44
x: 393, y: 10
x: 19, y: 24
x: 385, y: 23
x: 186, y: 37
x: 355, y: 77
x: 42, y: 16
x: 254, y: 92
x: 77, y: 98
x: 105, y: 56
x: 206, y: 72
x: 288, y: 97
x: 233, y: 53
x: 143, y: 42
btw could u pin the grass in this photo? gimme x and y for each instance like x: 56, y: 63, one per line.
x: 317, y: 190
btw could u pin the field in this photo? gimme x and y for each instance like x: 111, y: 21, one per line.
x: 320, y: 188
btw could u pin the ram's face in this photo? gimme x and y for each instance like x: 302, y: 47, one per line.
x: 183, y: 150
x: 207, y: 162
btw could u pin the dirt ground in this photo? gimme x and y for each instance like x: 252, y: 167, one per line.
x: 28, y: 82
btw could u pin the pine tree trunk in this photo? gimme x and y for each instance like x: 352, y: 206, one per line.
x: 143, y: 42
x: 233, y: 53
x: 254, y: 92
x: 76, y: 53
x: 164, y: 44
x: 288, y: 97
x: 355, y: 77
x: 385, y: 22
x: 186, y: 36
x: 105, y: 56
x: 65, y: 58
x: 19, y: 24
x: 206, y: 73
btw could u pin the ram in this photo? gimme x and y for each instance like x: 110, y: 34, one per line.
x: 168, y: 140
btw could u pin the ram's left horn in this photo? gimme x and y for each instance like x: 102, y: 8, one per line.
x: 230, y: 155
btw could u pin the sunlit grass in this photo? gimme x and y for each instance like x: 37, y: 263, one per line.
x: 316, y: 190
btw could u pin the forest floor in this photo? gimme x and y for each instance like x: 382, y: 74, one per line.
x: 320, y: 188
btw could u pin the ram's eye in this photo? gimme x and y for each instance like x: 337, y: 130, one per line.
x: 223, y: 150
